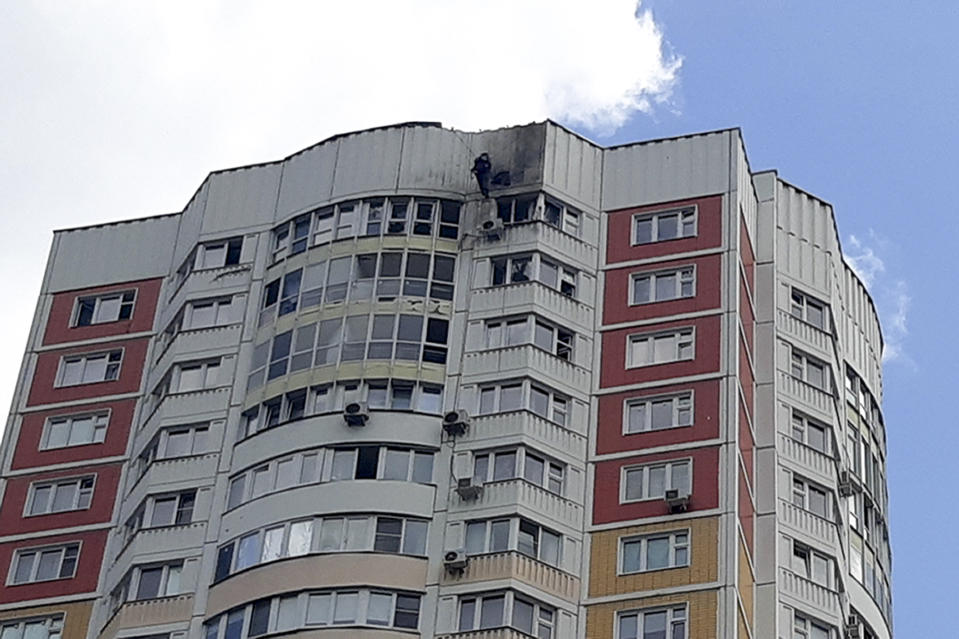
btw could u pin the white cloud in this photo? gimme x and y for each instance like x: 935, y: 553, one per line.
x: 115, y: 109
x: 890, y: 295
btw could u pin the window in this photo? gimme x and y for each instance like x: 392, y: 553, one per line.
x: 173, y: 509
x: 644, y: 414
x: 219, y: 254
x: 527, y: 207
x: 653, y: 624
x: 560, y: 215
x: 74, y: 430
x: 33, y: 628
x: 89, y: 368
x: 811, y: 565
x: 153, y: 582
x: 44, y: 564
x: 194, y: 376
x: 515, y: 269
x: 380, y: 462
x: 60, y: 496
x: 653, y: 480
x: 813, y: 371
x: 516, y: 210
x: 806, y: 430
x: 524, y: 395
x: 100, y: 309
x: 808, y: 309
x: 495, y: 610
x: 516, y: 534
x: 654, y: 552
x: 811, y: 497
x: 504, y: 465
x: 809, y: 628
x: 663, y: 285
x: 665, y: 225
x: 660, y: 348
x: 207, y: 313
x: 530, y: 330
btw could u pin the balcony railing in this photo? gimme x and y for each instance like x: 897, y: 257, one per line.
x: 809, y: 523
x: 492, y: 633
x: 533, y: 297
x: 808, y: 458
x: 805, y: 332
x: 514, y: 492
x: 521, y: 360
x: 809, y: 592
x: 150, y: 612
x: 529, y: 424
x: 514, y: 565
x: 807, y: 393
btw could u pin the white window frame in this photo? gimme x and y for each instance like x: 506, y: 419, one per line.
x: 542, y: 627
x: 683, y: 348
x: 171, y: 580
x: 800, y: 363
x: 800, y: 304
x: 682, y: 402
x: 803, y: 563
x: 680, y: 543
x: 82, y: 497
x: 803, y: 626
x: 206, y: 258
x: 210, y: 369
x: 685, y: 214
x: 111, y: 370
x: 514, y: 526
x: 801, y: 488
x: 127, y: 298
x: 538, y: 270
x: 100, y: 422
x: 800, y: 426
x: 52, y: 626
x: 676, y: 616
x: 558, y: 405
x: 224, y: 313
x: 37, y: 551
x: 554, y: 472
x: 646, y: 468
x: 684, y: 275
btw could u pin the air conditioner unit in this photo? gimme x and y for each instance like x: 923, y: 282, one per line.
x: 456, y: 560
x: 467, y: 490
x: 491, y: 227
x: 676, y: 502
x: 853, y: 627
x: 846, y: 485
x: 356, y: 414
x: 456, y: 422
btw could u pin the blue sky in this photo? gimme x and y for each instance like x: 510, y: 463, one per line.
x: 115, y: 110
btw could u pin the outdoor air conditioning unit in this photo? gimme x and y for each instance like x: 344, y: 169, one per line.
x: 456, y: 560
x: 853, y: 627
x: 356, y: 414
x: 456, y: 422
x: 467, y: 490
x: 846, y: 485
x: 676, y: 502
x: 491, y: 227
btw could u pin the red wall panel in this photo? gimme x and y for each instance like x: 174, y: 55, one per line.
x: 28, y: 454
x: 616, y: 293
x: 61, y: 312
x: 705, y: 493
x: 609, y: 432
x: 42, y: 390
x: 87, y: 572
x: 13, y: 522
x: 619, y: 246
x: 746, y: 379
x: 706, y: 359
x: 747, y: 317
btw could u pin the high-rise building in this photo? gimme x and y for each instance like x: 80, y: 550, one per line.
x: 392, y: 387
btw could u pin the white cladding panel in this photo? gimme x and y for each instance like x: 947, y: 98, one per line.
x: 241, y: 199
x: 120, y: 252
x: 573, y: 166
x: 191, y: 220
x: 666, y: 170
x: 307, y: 180
x: 436, y: 159
x: 368, y: 161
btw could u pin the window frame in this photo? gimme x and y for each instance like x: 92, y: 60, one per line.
x: 507, y: 611
x: 51, y: 484
x: 53, y: 625
x: 100, y: 425
x: 567, y: 277
x: 646, y: 467
x: 654, y: 218
x: 558, y: 409
x: 684, y: 274
x: 684, y: 338
x: 673, y: 618
x: 114, y: 366
x: 63, y: 548
x: 98, y: 300
x: 803, y: 360
x: 644, y: 539
x: 799, y: 304
x: 677, y: 399
x: 552, y: 482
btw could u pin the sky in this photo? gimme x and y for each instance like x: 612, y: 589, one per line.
x: 114, y: 110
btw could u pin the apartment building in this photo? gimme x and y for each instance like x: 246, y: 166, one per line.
x: 419, y: 382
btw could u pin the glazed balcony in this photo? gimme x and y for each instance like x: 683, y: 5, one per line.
x: 808, y: 459
x: 809, y: 336
x: 809, y: 592
x: 520, y: 361
x: 514, y: 565
x: 532, y: 297
x: 519, y: 492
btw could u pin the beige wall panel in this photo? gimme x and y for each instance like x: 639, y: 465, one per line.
x: 601, y: 618
x: 75, y: 621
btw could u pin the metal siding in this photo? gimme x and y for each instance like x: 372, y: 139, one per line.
x: 666, y: 170
x: 307, y: 180
x: 368, y: 162
x: 436, y: 159
x: 112, y: 253
x: 572, y: 166
x: 189, y: 228
x: 241, y: 199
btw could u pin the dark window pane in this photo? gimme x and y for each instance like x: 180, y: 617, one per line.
x: 367, y: 461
